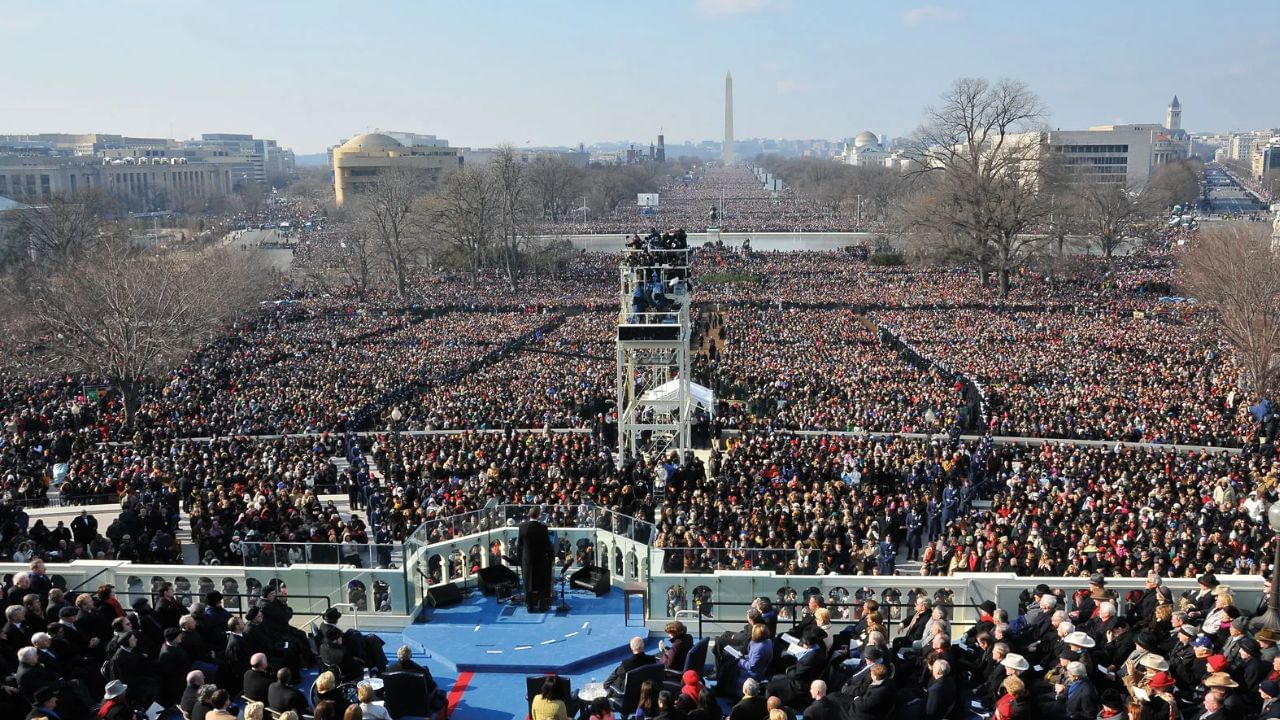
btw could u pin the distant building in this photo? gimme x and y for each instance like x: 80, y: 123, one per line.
x: 1266, y: 159
x: 1123, y: 154
x: 865, y: 151
x: 358, y: 162
x: 140, y: 183
x: 245, y: 158
x: 1242, y: 147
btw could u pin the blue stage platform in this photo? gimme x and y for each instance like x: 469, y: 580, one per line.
x: 479, y: 635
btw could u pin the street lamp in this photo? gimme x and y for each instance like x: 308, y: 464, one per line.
x: 1271, y: 619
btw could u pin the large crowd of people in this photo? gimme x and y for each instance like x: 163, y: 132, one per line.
x: 729, y: 198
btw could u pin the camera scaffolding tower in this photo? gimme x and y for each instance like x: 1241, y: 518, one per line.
x: 654, y: 399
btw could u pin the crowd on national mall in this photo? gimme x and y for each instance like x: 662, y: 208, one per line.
x: 1017, y: 411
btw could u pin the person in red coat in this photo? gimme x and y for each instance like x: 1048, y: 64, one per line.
x: 1013, y: 701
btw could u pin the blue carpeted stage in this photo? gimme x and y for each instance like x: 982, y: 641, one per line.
x: 480, y: 635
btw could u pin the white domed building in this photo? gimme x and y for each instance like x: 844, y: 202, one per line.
x: 358, y: 162
x: 865, y: 150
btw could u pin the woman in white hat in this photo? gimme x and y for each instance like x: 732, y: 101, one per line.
x: 115, y: 706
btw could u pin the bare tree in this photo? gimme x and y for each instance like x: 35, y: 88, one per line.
x: 357, y: 258
x: 510, y: 181
x: 126, y: 314
x: 1234, y: 268
x: 467, y: 215
x: 385, y: 213
x: 554, y: 184
x: 980, y: 141
x: 62, y: 225
x: 1108, y: 213
x: 1175, y: 183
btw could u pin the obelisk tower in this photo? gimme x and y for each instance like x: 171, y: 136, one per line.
x: 726, y: 152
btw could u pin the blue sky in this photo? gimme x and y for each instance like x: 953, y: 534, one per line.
x: 554, y: 72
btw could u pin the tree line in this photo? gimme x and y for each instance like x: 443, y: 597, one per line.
x: 493, y: 216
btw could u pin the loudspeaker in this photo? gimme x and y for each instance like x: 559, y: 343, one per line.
x: 593, y: 578
x: 495, y: 576
x: 444, y: 595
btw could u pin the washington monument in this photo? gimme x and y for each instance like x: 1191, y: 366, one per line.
x: 726, y: 152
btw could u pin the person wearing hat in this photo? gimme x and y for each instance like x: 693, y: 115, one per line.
x: 1158, y: 695
x: 1112, y: 703
x: 1267, y: 638
x: 1235, y: 633
x: 213, y: 621
x: 1249, y: 670
x: 285, y: 639
x: 172, y: 666
x: 1202, y: 602
x: 986, y: 620
x: 46, y: 705
x: 115, y: 706
x: 1223, y: 688
x: 1269, y: 691
x: 335, y: 656
x: 367, y: 649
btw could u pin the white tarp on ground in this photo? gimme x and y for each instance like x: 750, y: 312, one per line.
x: 667, y: 392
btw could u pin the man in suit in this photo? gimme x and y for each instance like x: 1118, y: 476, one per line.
x: 940, y: 697
x: 752, y: 706
x: 638, y: 659
x: 534, y: 541
x: 404, y: 663
x: 811, y: 662
x: 880, y: 700
x: 195, y: 681
x: 822, y: 707
x: 283, y: 696
x: 257, y: 680
x: 235, y: 657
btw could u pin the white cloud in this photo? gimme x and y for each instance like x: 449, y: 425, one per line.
x: 786, y: 86
x: 728, y: 8
x: 931, y: 15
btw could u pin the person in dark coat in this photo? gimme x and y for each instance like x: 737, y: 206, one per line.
x: 940, y: 696
x: 235, y: 658
x: 638, y: 658
x: 822, y: 707
x: 534, y: 542
x: 879, y: 700
x: 793, y: 685
x: 752, y: 706
x: 173, y: 664
x: 283, y: 696
x: 257, y: 680
x: 404, y: 663
x: 283, y: 638
x: 679, y: 644
x: 1077, y: 698
x: 135, y: 670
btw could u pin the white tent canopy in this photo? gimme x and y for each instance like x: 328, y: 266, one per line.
x: 668, y: 392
